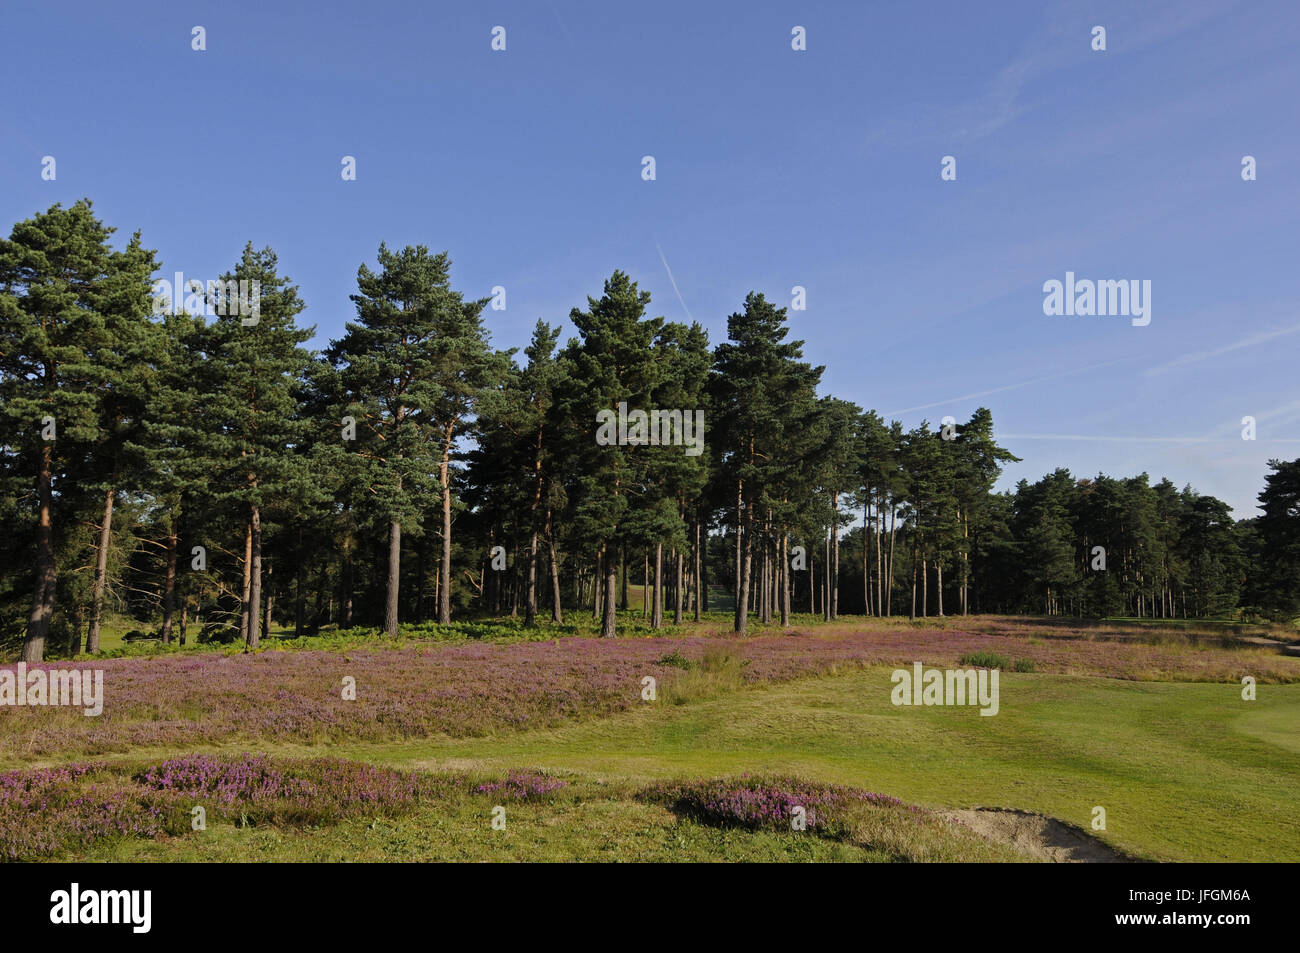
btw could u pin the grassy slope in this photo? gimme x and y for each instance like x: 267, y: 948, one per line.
x: 1185, y: 771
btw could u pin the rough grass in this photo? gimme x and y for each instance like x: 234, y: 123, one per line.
x: 1153, y: 729
x: 275, y: 809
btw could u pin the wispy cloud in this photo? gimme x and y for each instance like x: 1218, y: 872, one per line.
x: 1063, y: 42
x: 1250, y: 340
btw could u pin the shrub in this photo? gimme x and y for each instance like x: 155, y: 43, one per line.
x: 983, y: 659
x: 676, y: 659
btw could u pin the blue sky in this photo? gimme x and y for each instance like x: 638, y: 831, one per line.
x: 775, y: 168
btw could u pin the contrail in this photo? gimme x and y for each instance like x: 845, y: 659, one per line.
x: 1105, y: 439
x: 998, y: 390
x: 674, y: 281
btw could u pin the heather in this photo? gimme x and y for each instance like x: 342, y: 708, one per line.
x: 863, y: 819
x: 762, y: 803
x: 72, y: 807
x: 481, y: 688
x: 522, y: 786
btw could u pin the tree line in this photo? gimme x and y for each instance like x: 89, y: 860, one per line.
x: 211, y: 472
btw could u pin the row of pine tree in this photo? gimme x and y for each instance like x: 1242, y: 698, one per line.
x: 210, y: 474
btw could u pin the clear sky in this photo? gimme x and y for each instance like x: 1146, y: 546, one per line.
x: 775, y: 168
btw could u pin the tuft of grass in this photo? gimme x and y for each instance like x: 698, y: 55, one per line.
x: 983, y: 659
x: 720, y: 669
x: 675, y: 659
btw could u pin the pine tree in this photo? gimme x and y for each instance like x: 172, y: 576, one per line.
x: 413, y: 365
x: 610, y: 363
x: 65, y: 298
x: 248, y: 412
x: 1279, y: 534
x: 763, y: 396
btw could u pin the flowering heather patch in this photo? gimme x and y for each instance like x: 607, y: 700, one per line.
x: 764, y: 803
x: 522, y: 785
x: 884, y: 825
x: 475, y: 689
x: 1054, y: 651
x: 47, y: 810
x: 255, y: 788
x: 70, y: 807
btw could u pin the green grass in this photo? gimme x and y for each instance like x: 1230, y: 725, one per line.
x: 609, y: 828
x: 1184, y: 771
x: 587, y: 820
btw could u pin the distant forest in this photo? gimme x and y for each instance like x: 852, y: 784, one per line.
x: 212, y: 477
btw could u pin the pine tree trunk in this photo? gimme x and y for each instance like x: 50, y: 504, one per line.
x: 530, y: 602
x: 394, y: 578
x: 444, y: 570
x: 557, y: 612
x: 38, y: 622
x: 345, y: 597
x: 421, y: 556
x: 913, y: 615
x: 622, y: 578
x: 925, y: 586
x: 255, y: 586
x: 679, y: 590
x: 965, y: 562
x: 319, y: 617
x: 880, y: 569
x: 299, y: 583
x: 270, y: 605
x: 695, y: 576
x: 169, y: 587
x: 101, y: 572
x: 826, y: 579
x: 740, y: 518
x: 607, y: 625
x: 835, y: 556
x: 704, y: 574
x: 657, y: 616
x: 785, y: 580
x: 812, y: 583
x: 938, y: 568
x: 248, y: 583
x: 744, y: 559
x: 889, y: 574
x: 866, y: 554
